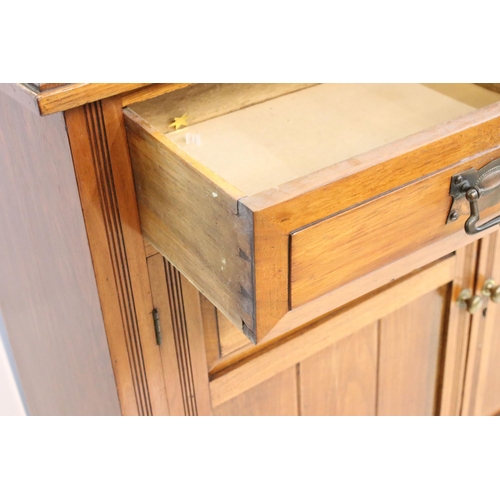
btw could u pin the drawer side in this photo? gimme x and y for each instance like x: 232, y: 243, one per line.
x: 192, y: 218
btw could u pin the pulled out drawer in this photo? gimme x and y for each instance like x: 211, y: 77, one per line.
x: 274, y: 196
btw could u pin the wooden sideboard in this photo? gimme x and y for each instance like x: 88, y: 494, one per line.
x: 337, y: 294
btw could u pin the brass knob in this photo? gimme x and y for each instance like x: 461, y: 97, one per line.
x: 491, y: 291
x: 467, y: 300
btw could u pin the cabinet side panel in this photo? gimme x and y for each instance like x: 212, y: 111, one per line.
x: 48, y: 295
x: 409, y: 354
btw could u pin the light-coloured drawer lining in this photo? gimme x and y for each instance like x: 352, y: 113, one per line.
x: 268, y: 144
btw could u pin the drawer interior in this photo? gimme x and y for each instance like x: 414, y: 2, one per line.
x: 275, y: 197
x: 265, y: 145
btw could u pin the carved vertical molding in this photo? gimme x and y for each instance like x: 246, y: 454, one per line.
x: 183, y: 340
x: 114, y: 237
x: 180, y: 335
x: 105, y: 182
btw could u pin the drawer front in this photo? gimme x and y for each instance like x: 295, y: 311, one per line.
x: 334, y: 251
x: 277, y: 260
x: 315, y: 235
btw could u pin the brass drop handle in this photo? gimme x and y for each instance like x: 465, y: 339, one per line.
x: 491, y: 290
x: 472, y: 196
x: 466, y: 300
x: 473, y: 185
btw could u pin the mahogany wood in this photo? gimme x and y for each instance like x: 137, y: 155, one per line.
x: 293, y: 374
x: 292, y: 350
x: 329, y: 254
x: 178, y: 391
x: 203, y: 101
x: 210, y: 332
x: 316, y: 309
x: 409, y: 356
x: 457, y: 336
x: 149, y: 249
x: 151, y: 91
x: 342, y: 379
x: 61, y: 97
x: 393, y: 180
x: 229, y: 336
x: 482, y: 383
x: 194, y: 221
x: 182, y: 344
x: 104, y: 176
x: 48, y: 296
x: 276, y: 396
x: 77, y: 94
x: 277, y: 214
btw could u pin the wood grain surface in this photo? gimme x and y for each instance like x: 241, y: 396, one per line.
x: 314, y: 213
x: 192, y: 217
x: 344, y: 247
x: 178, y: 388
x: 182, y: 343
x: 410, y: 340
x: 342, y: 379
x: 203, y: 101
x: 289, y: 351
x: 52, y: 98
x: 73, y: 95
x: 48, y: 296
x: 278, y: 213
x: 276, y: 396
x: 458, y: 329
x: 149, y: 92
x: 104, y: 176
x: 482, y: 381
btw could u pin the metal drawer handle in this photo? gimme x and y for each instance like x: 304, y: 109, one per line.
x: 473, y: 185
x: 472, y: 196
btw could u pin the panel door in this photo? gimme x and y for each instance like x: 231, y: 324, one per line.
x: 482, y: 386
x: 398, y: 351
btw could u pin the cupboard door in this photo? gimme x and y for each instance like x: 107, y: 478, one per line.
x: 179, y: 339
x: 390, y: 367
x: 397, y: 351
x: 384, y: 354
x: 342, y: 379
x: 482, y: 386
x: 409, y: 356
x: 276, y: 396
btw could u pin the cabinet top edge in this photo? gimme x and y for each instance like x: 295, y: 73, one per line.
x: 53, y: 98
